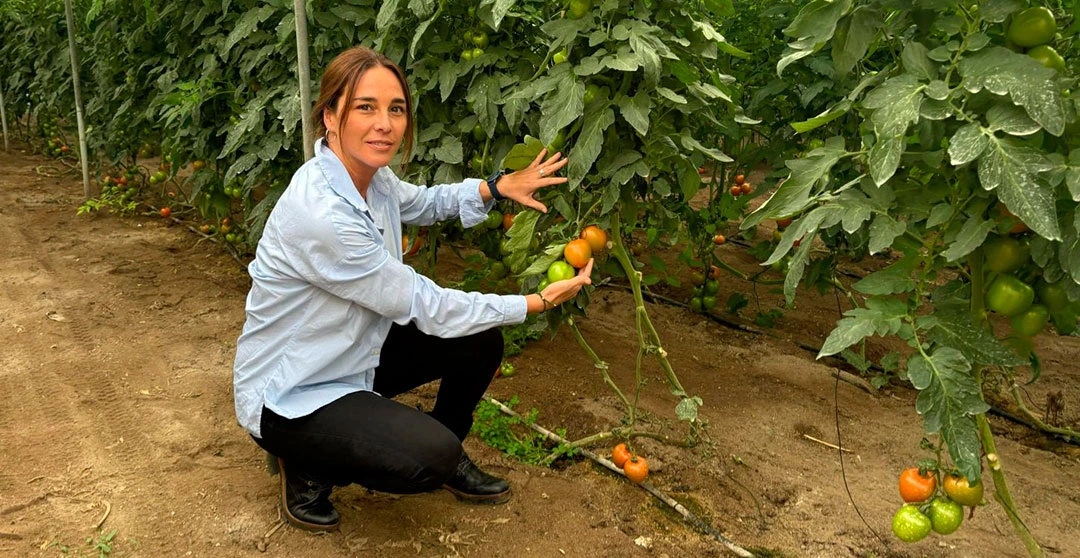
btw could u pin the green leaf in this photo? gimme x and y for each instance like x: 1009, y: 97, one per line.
x: 881, y: 317
x: 1072, y: 175
x: 687, y: 408
x: 939, y: 215
x: 562, y: 106
x: 893, y: 279
x: 996, y: 11
x: 967, y: 144
x: 522, y: 154
x: 386, y: 15
x: 1009, y: 168
x: 885, y: 158
x: 722, y: 8
x: 635, y: 110
x: 449, y: 150
x: 970, y: 237
x: 916, y: 61
x: 1029, y: 84
x: 1011, y: 119
x: 948, y: 398
x: 796, y: 268
x: 957, y: 328
x: 853, y: 37
x: 1069, y: 251
x: 793, y: 195
x: 544, y: 260
x: 483, y: 98
x: 499, y: 9
x: 589, y: 143
x: 689, y: 142
x: 896, y: 105
x: 830, y: 114
x: 245, y: 26
x: 883, y: 231
x: 812, y: 28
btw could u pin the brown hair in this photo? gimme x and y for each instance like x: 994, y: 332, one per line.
x: 339, y: 80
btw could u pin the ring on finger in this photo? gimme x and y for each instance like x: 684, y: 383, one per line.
x: 541, y: 171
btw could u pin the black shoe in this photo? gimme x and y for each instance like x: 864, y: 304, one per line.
x: 470, y: 484
x: 305, y: 501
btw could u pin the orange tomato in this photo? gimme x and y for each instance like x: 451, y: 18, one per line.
x: 166, y: 212
x: 746, y: 188
x: 415, y: 248
x: 508, y: 221
x: 736, y: 190
x: 915, y: 487
x: 740, y: 178
x: 595, y: 236
x: 620, y: 455
x: 636, y: 469
x: 719, y: 239
x: 577, y: 252
x: 714, y: 272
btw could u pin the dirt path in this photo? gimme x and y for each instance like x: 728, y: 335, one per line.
x: 118, y: 337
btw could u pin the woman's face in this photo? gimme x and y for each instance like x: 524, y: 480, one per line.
x: 376, y: 125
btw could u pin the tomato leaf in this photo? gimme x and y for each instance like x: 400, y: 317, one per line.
x: 811, y: 29
x: 883, y: 231
x: 590, y: 141
x: 996, y: 11
x: 1072, y: 175
x: 882, y: 316
x: 1011, y: 119
x: 245, y: 26
x: 793, y: 195
x: 956, y: 328
x: 722, y: 8
x: 948, y: 398
x: 1029, y: 84
x: 830, y: 114
x: 635, y: 110
x: 522, y: 154
x: 687, y: 408
x: 499, y: 9
x: 967, y: 144
x: 1009, y: 167
x: 853, y: 37
x: 893, y: 279
x: 970, y: 237
x: 885, y: 158
x: 796, y: 268
x: 895, y: 105
x: 916, y: 62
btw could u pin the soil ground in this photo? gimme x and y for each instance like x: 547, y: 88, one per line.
x: 118, y: 336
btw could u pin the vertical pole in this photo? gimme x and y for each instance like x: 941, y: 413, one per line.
x: 78, y: 98
x: 303, y: 70
x: 3, y: 118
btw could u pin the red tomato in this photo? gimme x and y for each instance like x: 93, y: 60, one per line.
x: 620, y: 455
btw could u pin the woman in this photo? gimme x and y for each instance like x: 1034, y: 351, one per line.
x: 337, y: 325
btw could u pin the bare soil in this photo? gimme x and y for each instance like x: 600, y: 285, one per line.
x: 118, y: 336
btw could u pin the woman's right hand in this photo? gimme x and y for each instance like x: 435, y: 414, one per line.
x: 561, y: 291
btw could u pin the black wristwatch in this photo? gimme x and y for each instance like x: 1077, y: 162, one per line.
x: 491, y: 180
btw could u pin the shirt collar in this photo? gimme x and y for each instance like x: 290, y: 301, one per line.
x: 337, y: 175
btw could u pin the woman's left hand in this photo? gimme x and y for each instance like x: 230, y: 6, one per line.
x: 520, y: 186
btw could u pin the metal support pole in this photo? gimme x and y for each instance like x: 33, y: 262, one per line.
x: 303, y: 69
x: 78, y: 98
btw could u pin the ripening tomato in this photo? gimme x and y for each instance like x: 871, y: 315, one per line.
x: 739, y: 179
x: 595, y: 236
x: 958, y: 489
x: 577, y: 252
x: 914, y: 487
x: 636, y: 469
x: 166, y: 212
x: 736, y: 190
x: 719, y: 239
x: 747, y: 188
x: 783, y: 223
x: 620, y: 455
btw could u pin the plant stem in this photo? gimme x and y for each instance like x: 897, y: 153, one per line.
x: 986, y: 436
x: 1067, y: 433
x: 602, y: 366
x: 618, y: 249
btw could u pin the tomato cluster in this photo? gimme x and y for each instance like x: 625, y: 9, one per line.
x: 741, y: 186
x: 576, y: 255
x: 1033, y: 29
x: 635, y: 466
x: 929, y: 507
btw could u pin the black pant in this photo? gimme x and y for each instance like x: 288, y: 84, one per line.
x: 384, y: 445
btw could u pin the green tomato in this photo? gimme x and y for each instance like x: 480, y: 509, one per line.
x: 1005, y: 254
x: 1053, y: 296
x: 712, y: 286
x: 1031, y: 321
x: 1032, y: 27
x: 507, y: 370
x: 493, y: 219
x: 910, y: 525
x: 592, y: 91
x: 478, y: 132
x: 560, y: 271
x: 544, y: 282
x: 945, y: 516
x: 560, y: 57
x: 467, y: 38
x: 1047, y: 56
x: 497, y: 270
x: 708, y: 302
x: 480, y: 39
x: 1009, y: 296
x: 477, y: 53
x: 696, y: 304
x: 466, y: 55
x: 558, y: 142
x: 578, y: 9
x: 503, y: 248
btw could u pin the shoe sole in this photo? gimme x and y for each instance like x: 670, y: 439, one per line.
x: 283, y: 508
x: 483, y: 499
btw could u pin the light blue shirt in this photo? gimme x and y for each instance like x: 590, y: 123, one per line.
x: 328, y: 281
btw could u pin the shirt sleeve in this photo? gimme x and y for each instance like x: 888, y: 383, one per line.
x: 348, y: 261
x: 425, y: 205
